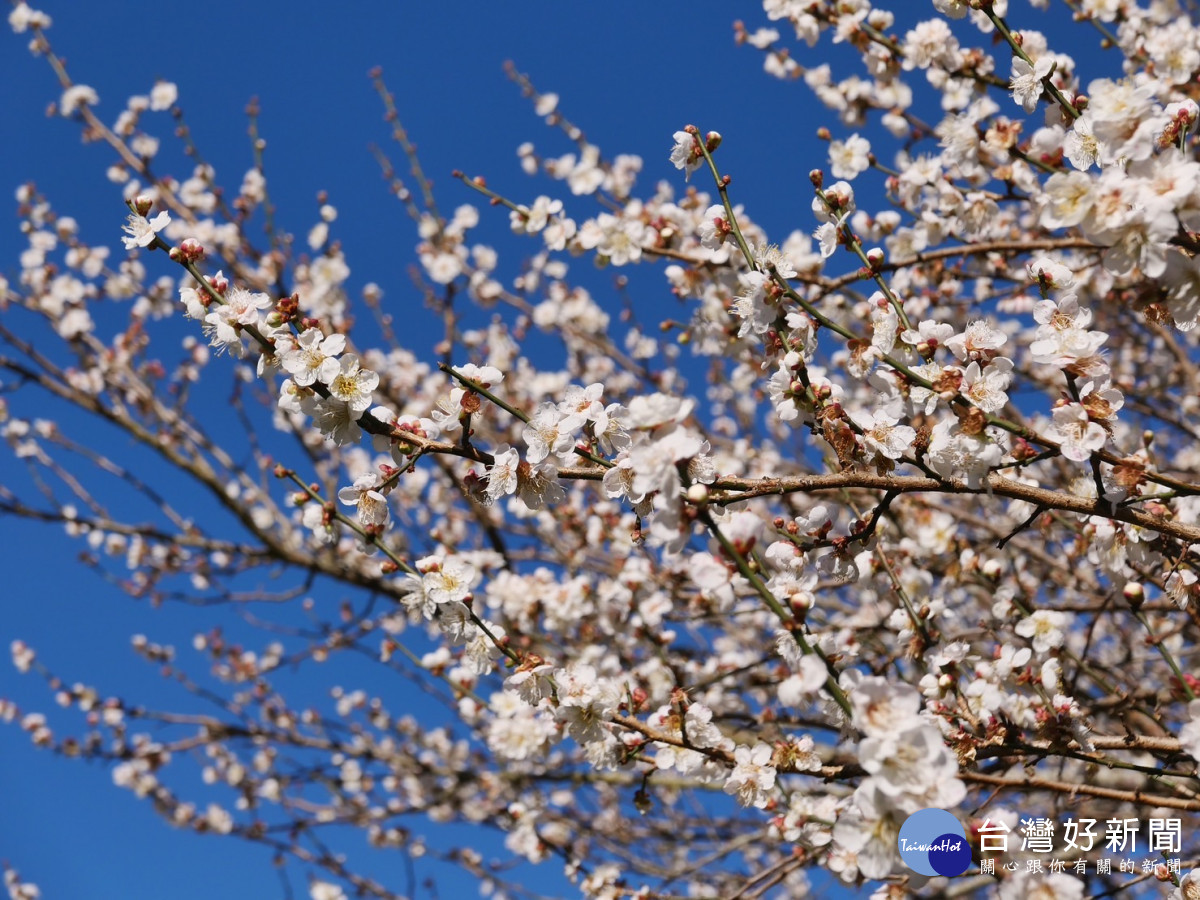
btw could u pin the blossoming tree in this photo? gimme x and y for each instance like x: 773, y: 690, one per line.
x: 925, y: 535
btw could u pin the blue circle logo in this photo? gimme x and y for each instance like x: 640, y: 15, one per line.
x: 932, y: 842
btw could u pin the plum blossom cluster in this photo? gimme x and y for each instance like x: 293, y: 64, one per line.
x: 909, y: 768
x: 894, y: 510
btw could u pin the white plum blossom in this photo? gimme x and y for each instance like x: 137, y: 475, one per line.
x: 826, y: 236
x: 753, y: 776
x: 447, y: 581
x: 77, y: 97
x: 828, y: 520
x: 1080, y: 146
x: 336, y: 420
x: 881, y: 433
x: 955, y: 453
x: 325, y: 890
x: 142, y: 231
x: 881, y: 708
x: 751, y: 306
x: 976, y: 341
x: 869, y: 828
x: 534, y: 219
x: 701, y: 733
x: 1045, y: 627
x: 502, y: 476
x: 1078, y: 435
x: 849, y: 158
x: 581, y: 405
x: 371, y: 505
x: 538, y: 486
x: 1063, y: 336
x: 713, y: 227
x: 1068, y: 199
x: 353, y: 385
x: 1189, y: 734
x: 1026, y: 81
x: 548, y: 432
x: 313, y: 357
x: 226, y: 322
x: 909, y: 763
x: 686, y: 154
x: 985, y: 387
x: 1050, y: 274
x: 585, y: 702
x: 931, y: 333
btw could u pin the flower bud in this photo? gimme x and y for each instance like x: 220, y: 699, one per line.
x: 1134, y: 594
x: 191, y: 250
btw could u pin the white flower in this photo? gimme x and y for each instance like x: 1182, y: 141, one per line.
x: 538, y: 485
x: 1078, y: 435
x: 545, y: 434
x: 324, y: 890
x: 934, y: 334
x: 686, y: 154
x: 870, y: 828
x: 449, y: 582
x: 986, y: 387
x: 849, y: 158
x: 585, y: 701
x: 1026, y: 81
x: 23, y: 17
x: 224, y: 322
x: 163, y: 95
x: 1189, y: 734
x: 1068, y: 198
x: 1063, y: 337
x: 1026, y: 885
x: 22, y: 656
x: 1051, y: 275
x: 978, y: 340
x: 1045, y: 627
x: 537, y: 217
x: 881, y: 434
x: 908, y: 762
x: 1179, y: 586
x: 753, y: 776
x: 954, y: 9
x: 701, y: 732
x: 353, y: 385
x: 1080, y: 145
x: 580, y: 405
x: 76, y: 97
x: 954, y: 454
x: 826, y: 236
x: 881, y: 708
x: 616, y: 238
x: 486, y: 376
x: 372, y: 506
x: 314, y: 357
x: 713, y: 228
x: 751, y: 306
x: 142, y: 231
x: 502, y: 473
x: 337, y: 421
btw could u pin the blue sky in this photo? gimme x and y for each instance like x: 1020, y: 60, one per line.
x: 629, y: 72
